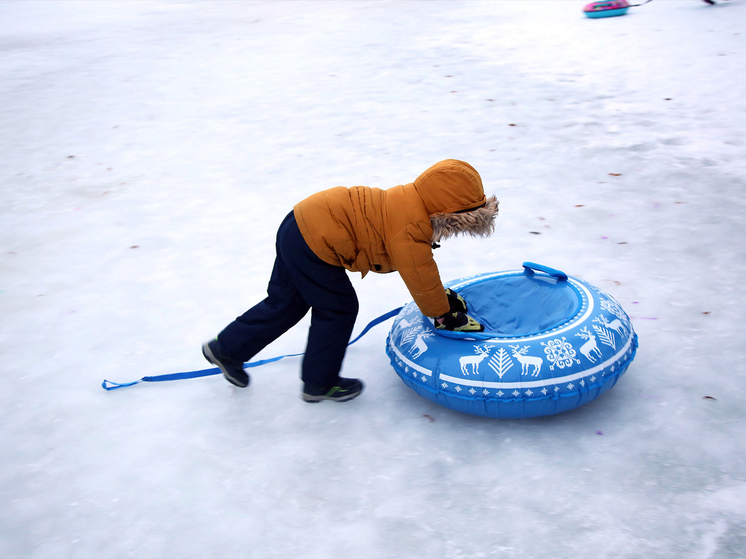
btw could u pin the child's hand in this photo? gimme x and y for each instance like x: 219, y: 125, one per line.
x: 456, y: 301
x: 458, y: 322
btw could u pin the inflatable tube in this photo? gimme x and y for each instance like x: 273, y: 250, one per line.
x: 610, y: 8
x: 551, y: 343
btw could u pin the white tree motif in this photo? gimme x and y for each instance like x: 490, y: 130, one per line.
x: 500, y: 362
x: 409, y: 334
x: 606, y: 336
x: 559, y: 353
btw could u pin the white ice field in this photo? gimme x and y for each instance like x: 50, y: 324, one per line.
x: 148, y: 152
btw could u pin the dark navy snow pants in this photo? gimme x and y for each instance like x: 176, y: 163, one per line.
x: 300, y: 281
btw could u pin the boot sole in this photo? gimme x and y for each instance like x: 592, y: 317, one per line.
x: 212, y: 359
x: 316, y: 399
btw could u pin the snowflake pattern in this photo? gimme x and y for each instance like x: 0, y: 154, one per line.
x: 560, y: 353
x: 611, y: 306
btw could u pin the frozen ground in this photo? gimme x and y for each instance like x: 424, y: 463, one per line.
x: 148, y: 152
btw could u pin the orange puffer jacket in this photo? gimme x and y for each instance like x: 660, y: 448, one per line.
x: 369, y: 229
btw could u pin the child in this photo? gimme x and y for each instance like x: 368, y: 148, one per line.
x: 360, y: 229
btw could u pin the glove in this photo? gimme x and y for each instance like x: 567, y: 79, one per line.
x: 458, y: 322
x: 456, y: 301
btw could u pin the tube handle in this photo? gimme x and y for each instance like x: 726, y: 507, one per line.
x: 529, y: 267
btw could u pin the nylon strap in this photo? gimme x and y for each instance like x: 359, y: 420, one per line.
x: 109, y: 385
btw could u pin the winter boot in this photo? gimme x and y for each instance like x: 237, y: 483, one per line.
x: 344, y: 389
x: 232, y: 370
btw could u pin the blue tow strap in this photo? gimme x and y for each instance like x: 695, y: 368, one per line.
x: 109, y: 385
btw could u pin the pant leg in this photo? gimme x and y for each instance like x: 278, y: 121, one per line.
x: 300, y: 280
x: 283, y: 307
x: 329, y: 292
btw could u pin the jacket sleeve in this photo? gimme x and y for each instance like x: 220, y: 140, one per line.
x: 412, y: 255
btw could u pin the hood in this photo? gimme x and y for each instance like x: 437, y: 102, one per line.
x: 450, y: 186
x: 454, y: 197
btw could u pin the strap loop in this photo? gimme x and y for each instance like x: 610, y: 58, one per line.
x: 109, y: 385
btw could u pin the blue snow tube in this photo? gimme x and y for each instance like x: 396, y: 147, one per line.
x: 608, y: 8
x: 551, y: 343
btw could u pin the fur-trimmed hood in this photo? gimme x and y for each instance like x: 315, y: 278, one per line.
x: 454, y: 198
x: 477, y: 223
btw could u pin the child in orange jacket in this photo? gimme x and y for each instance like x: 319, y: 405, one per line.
x: 359, y: 229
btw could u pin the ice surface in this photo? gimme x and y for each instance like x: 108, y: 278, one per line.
x: 148, y: 152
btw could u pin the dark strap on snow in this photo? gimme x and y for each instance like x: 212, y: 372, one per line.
x: 109, y: 385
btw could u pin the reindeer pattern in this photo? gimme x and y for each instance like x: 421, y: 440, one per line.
x: 411, y: 332
x: 527, y: 361
x: 419, y: 346
x: 589, y: 349
x: 474, y: 360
